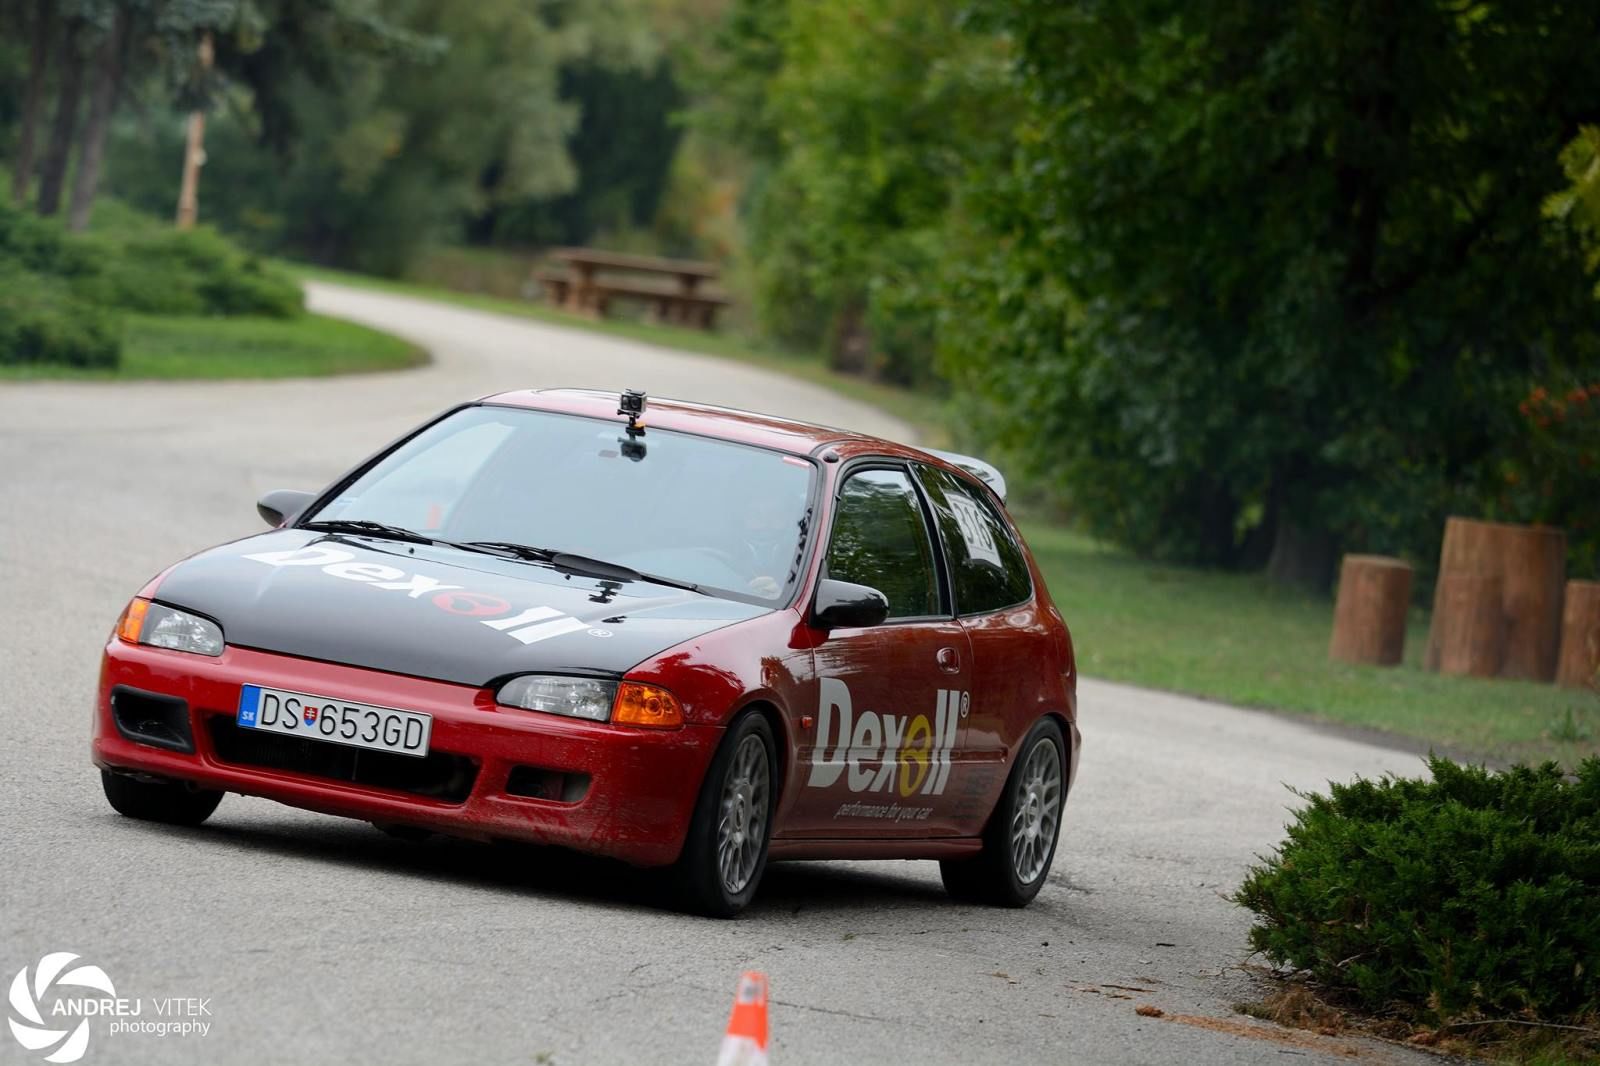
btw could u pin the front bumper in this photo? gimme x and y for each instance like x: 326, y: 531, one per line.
x: 624, y: 792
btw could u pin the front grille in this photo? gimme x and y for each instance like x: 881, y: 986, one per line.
x: 437, y: 775
x: 151, y: 718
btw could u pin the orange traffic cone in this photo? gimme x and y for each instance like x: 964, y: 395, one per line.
x: 746, y: 1042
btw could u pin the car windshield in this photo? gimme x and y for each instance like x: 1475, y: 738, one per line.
x: 724, y: 516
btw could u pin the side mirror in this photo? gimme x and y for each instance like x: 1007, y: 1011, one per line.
x: 841, y: 605
x: 282, y: 505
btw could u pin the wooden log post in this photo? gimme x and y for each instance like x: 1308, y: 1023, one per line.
x: 1369, y: 617
x: 1469, y: 624
x: 1531, y: 564
x: 1580, y: 635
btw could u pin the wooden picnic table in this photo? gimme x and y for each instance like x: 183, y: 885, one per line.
x: 583, y: 290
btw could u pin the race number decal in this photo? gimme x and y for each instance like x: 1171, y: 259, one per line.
x: 975, y: 532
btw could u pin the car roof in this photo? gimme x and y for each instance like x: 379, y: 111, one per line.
x: 746, y: 427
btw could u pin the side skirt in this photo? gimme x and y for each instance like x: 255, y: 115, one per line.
x: 952, y: 848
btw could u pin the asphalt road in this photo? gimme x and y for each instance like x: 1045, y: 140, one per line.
x: 317, y: 939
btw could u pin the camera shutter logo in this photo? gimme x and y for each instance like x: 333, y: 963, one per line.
x: 32, y: 1032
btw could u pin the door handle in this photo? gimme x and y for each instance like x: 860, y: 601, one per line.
x: 949, y: 660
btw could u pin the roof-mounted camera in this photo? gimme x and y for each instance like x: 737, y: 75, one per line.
x: 632, y: 404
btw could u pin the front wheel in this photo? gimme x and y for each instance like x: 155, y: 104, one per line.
x: 172, y: 802
x: 725, y: 853
x: 1020, y: 839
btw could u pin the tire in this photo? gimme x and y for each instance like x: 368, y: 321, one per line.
x: 733, y: 814
x: 172, y: 802
x: 1015, y: 860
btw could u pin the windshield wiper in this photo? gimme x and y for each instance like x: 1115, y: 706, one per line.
x: 572, y: 562
x: 369, y: 528
x: 506, y: 547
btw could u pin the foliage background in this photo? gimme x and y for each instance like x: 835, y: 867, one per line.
x: 1233, y: 284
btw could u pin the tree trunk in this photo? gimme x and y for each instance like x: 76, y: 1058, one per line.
x: 109, y: 59
x: 1580, y: 636
x: 1531, y: 563
x: 1469, y: 625
x: 65, y: 123
x: 44, y: 25
x: 194, y: 149
x: 851, y: 347
x: 1301, y: 556
x: 1369, y: 619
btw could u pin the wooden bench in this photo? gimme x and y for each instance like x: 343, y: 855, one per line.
x: 555, y: 284
x: 590, y: 284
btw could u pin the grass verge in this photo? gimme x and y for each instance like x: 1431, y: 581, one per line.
x: 166, y: 348
x: 923, y: 412
x: 1241, y: 639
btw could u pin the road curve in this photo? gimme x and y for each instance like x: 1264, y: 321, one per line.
x: 317, y: 939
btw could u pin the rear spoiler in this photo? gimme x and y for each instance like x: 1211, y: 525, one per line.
x: 979, y: 469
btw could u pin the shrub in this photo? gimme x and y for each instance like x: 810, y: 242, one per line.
x: 59, y: 291
x: 41, y: 321
x: 195, y: 272
x: 1471, y: 894
x: 30, y: 243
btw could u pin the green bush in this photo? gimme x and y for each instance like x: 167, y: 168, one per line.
x: 59, y: 291
x: 1475, y: 893
x: 197, y: 272
x: 39, y: 245
x: 42, y: 321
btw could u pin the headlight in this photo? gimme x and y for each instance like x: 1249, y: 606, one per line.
x: 574, y: 697
x: 160, y: 626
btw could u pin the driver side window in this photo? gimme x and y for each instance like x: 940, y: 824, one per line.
x: 880, y: 539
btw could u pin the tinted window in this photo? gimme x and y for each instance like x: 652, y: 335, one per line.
x: 725, y: 516
x: 880, y: 539
x: 987, y: 566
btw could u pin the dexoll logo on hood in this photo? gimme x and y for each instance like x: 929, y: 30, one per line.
x: 528, y: 626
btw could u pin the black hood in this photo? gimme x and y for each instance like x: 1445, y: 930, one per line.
x: 433, y: 612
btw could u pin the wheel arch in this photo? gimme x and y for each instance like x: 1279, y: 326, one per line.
x: 782, y: 740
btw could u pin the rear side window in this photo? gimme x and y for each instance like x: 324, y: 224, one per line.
x: 987, y: 567
x: 879, y: 539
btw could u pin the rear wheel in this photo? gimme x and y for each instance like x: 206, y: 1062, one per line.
x: 725, y: 853
x: 173, y: 802
x: 1019, y: 842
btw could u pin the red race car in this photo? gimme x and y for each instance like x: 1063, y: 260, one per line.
x: 725, y: 638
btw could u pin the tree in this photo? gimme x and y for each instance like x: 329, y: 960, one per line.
x: 621, y: 149
x: 1273, y: 275
x: 111, y: 60
x: 868, y: 115
x: 41, y: 35
x: 64, y: 123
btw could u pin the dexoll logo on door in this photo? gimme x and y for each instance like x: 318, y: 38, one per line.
x: 884, y: 752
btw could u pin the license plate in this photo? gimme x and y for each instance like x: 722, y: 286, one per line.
x: 356, y: 725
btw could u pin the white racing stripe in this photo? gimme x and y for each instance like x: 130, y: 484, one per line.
x: 546, y: 630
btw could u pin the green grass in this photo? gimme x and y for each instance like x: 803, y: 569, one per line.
x: 1240, y: 639
x: 922, y: 411
x: 161, y: 347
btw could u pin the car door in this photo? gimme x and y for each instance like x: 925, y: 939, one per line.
x: 1010, y: 643
x: 884, y: 702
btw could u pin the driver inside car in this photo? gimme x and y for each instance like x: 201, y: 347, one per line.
x: 769, y: 542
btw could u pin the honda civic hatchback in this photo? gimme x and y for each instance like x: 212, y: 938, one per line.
x: 700, y: 639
